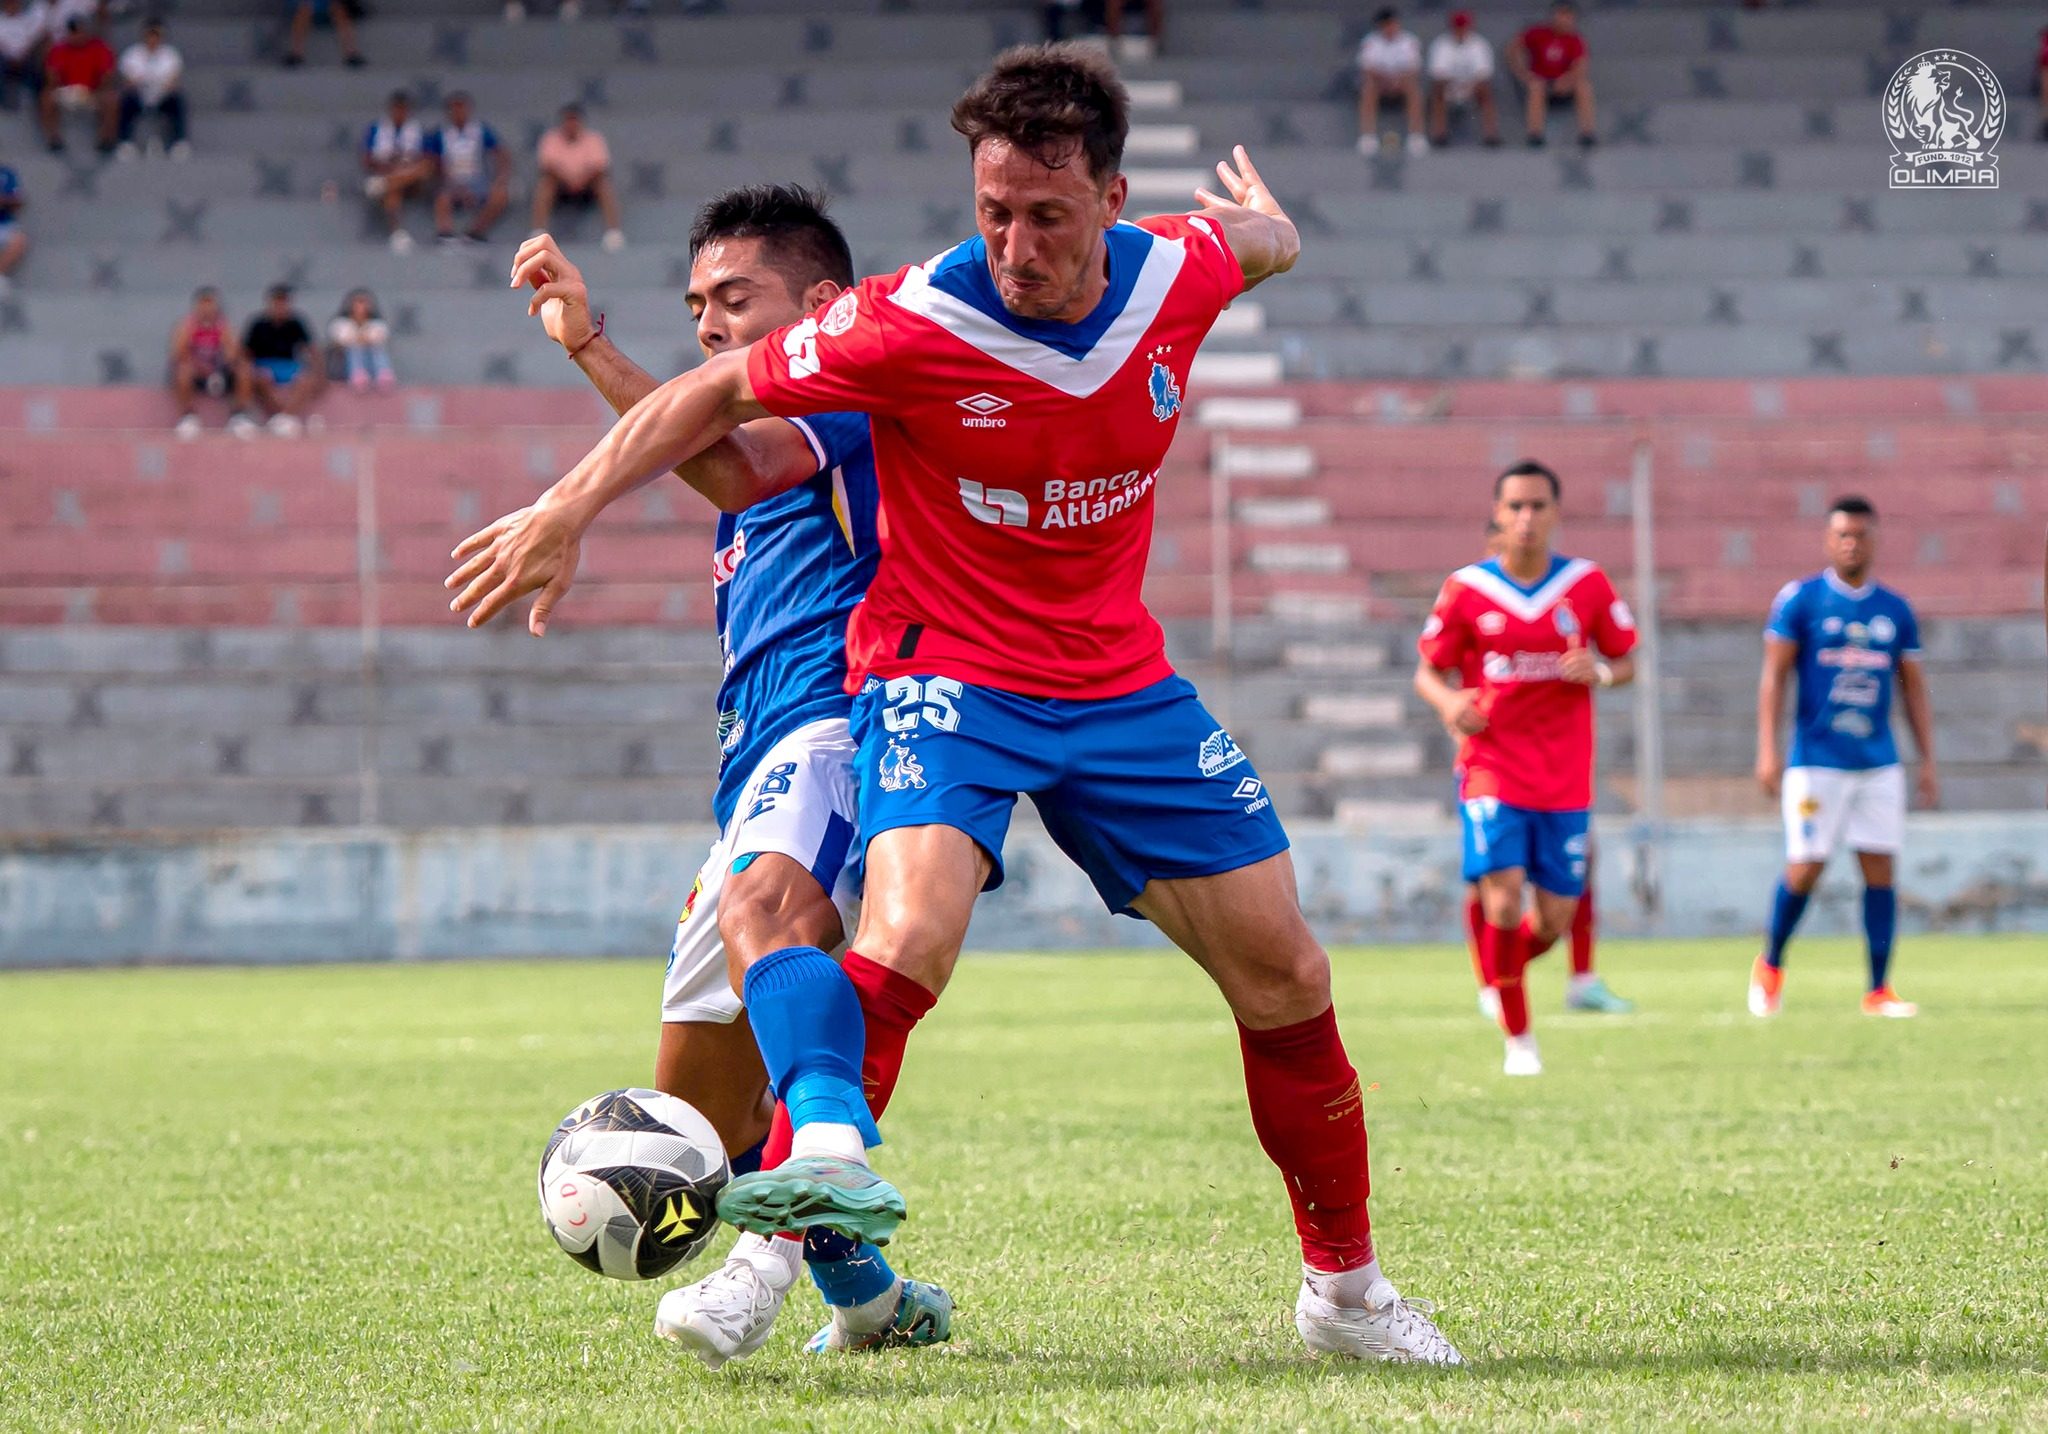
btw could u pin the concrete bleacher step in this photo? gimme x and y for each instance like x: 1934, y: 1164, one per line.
x: 1281, y: 512
x: 1241, y: 320
x: 1248, y: 412
x: 1226, y: 369
x: 1149, y: 140
x: 1172, y: 186
x: 1263, y: 462
x: 1347, y: 657
x: 1299, y: 558
x: 1371, y: 759
x: 1353, y: 710
x: 1337, y: 611
x: 1154, y: 94
x: 1368, y: 814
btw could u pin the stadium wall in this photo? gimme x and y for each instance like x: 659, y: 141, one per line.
x: 386, y: 895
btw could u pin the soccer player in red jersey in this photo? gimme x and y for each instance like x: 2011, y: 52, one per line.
x: 1023, y: 389
x: 1546, y: 629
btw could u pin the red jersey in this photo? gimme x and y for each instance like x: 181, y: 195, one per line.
x: 1537, y: 749
x: 1016, y: 457
x: 1551, y: 52
x: 86, y: 65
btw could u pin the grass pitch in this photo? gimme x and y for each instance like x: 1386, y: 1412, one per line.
x: 300, y: 1198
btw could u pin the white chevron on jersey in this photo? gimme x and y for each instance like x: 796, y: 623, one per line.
x: 1526, y: 606
x: 1076, y: 377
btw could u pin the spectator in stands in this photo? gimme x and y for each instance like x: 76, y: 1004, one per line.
x: 206, y: 362
x: 24, y: 37
x: 1072, y: 17
x: 13, y: 242
x: 1461, y: 74
x: 284, y: 370
x: 1550, y: 63
x: 1389, y: 72
x: 153, y: 69
x: 1134, y: 49
x: 576, y: 168
x: 362, y: 338
x: 395, y: 164
x: 473, y: 170
x: 339, y: 13
x: 80, y: 75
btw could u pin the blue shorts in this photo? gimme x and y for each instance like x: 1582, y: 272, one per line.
x: 1136, y: 788
x: 1549, y: 846
x: 281, y: 371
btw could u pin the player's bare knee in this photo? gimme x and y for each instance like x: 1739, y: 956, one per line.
x: 1802, y: 877
x: 772, y: 904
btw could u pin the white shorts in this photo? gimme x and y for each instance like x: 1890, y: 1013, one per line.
x: 1827, y: 806
x: 800, y: 803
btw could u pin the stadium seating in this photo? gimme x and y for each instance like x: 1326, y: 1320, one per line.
x: 239, y: 635
x: 1735, y: 221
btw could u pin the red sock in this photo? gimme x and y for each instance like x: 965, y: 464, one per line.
x: 1509, y: 957
x: 775, y: 1149
x: 1475, y: 917
x: 893, y: 1004
x: 1310, y: 1120
x: 1582, y: 933
x: 1534, y: 945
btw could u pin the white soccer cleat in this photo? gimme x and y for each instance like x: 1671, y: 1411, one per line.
x: 1388, y: 1328
x: 614, y: 240
x: 1489, y: 1005
x: 1766, y: 989
x: 726, y: 1315
x: 189, y: 427
x: 1522, y: 1058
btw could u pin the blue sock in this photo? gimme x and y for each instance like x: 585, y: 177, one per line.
x: 1787, y: 906
x: 844, y: 1272
x: 807, y: 1021
x: 1880, y: 921
x: 749, y: 1160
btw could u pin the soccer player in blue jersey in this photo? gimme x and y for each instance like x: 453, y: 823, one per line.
x: 1848, y: 639
x: 784, y: 871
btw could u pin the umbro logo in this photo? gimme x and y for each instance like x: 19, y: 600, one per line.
x: 983, y: 407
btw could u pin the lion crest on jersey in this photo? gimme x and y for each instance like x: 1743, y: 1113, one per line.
x: 899, y: 768
x: 1165, y: 392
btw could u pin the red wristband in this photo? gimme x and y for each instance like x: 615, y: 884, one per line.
x: 595, y: 334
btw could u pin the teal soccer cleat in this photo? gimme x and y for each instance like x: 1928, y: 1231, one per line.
x: 924, y: 1315
x: 812, y: 1192
x: 1594, y: 996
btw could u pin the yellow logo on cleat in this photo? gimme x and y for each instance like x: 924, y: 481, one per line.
x: 676, y: 1217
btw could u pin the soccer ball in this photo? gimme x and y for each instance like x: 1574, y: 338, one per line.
x: 629, y: 1183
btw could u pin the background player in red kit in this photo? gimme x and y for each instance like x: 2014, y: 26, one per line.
x: 1546, y: 628
x: 1586, y: 991
x: 1023, y: 389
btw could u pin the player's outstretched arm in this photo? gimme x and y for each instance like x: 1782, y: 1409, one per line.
x: 537, y: 549
x: 756, y: 461
x: 1254, y: 225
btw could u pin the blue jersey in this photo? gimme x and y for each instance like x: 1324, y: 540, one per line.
x: 787, y: 573
x: 1851, y: 641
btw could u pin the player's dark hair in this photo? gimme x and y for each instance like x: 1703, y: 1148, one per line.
x: 1855, y: 506
x: 1529, y: 468
x: 1049, y: 101
x: 803, y: 243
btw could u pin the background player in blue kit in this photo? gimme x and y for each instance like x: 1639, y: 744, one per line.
x: 1848, y: 638
x: 784, y: 872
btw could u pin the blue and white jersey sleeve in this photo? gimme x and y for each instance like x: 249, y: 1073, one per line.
x: 1909, y: 630
x: 836, y: 439
x: 1785, y: 612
